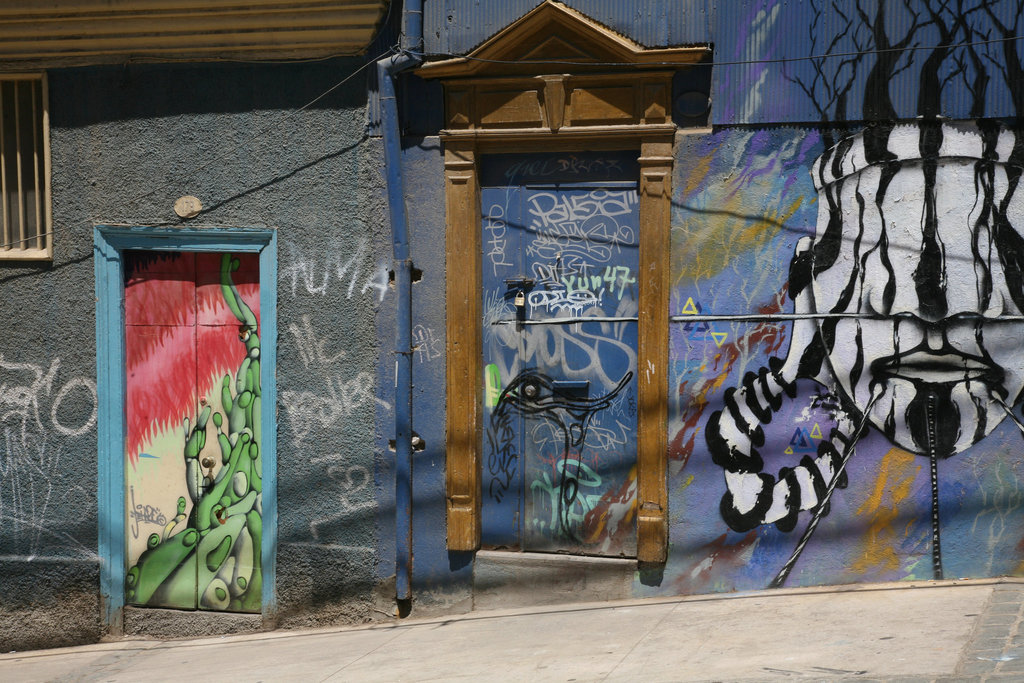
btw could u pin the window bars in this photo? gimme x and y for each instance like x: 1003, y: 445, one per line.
x: 25, y: 220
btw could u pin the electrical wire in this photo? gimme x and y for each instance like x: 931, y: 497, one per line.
x: 394, y: 49
x: 780, y: 60
x: 223, y: 153
x: 266, y: 129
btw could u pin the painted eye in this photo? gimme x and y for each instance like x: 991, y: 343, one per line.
x: 244, y: 334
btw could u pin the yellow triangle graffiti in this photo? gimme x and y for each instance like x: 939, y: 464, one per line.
x: 690, y: 308
x: 816, y: 432
x: 789, y: 451
x: 719, y: 338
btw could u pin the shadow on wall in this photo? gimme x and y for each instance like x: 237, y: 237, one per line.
x: 84, y: 96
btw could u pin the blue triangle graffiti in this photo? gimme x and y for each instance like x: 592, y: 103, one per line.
x: 802, y: 442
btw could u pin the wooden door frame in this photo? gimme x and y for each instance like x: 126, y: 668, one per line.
x: 555, y: 80
x: 109, y: 244
x: 464, y: 325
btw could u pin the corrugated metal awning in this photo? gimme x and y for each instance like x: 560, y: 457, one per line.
x: 62, y: 32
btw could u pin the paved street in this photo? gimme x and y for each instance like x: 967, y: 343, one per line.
x: 929, y: 631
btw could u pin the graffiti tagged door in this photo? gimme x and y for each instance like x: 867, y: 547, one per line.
x: 560, y: 266
x: 193, y: 473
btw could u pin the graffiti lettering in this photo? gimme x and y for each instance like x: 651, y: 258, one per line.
x: 569, y: 513
x: 496, y: 308
x: 567, y: 165
x: 574, y: 353
x: 613, y: 275
x: 316, y: 276
x: 144, y: 514
x: 90, y: 387
x: 348, y: 482
x: 427, y: 346
x: 582, y: 225
x: 558, y: 300
x: 311, y: 344
x: 19, y: 400
x: 32, y: 449
x: 310, y: 411
x: 598, y: 438
x: 496, y: 242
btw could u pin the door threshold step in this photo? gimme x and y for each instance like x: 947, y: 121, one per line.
x: 157, y: 622
x: 505, y: 579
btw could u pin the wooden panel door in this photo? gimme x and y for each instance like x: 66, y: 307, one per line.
x: 193, y: 478
x: 560, y: 300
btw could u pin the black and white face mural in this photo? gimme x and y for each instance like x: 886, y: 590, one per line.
x: 909, y: 304
x: 909, y: 298
x: 915, y: 244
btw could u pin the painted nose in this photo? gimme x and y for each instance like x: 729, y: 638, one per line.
x: 935, y: 337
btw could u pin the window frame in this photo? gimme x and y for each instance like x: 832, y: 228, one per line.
x: 9, y: 246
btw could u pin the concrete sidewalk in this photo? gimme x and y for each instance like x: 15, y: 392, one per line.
x: 962, y: 630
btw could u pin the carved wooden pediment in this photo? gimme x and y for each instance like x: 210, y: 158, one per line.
x: 551, y: 33
x: 558, y: 70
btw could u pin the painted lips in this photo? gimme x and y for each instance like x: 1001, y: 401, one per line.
x: 930, y: 367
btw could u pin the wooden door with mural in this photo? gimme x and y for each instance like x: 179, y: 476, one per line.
x: 560, y: 300
x: 193, y: 471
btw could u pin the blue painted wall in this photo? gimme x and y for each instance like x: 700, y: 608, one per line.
x: 457, y: 26
x: 748, y: 196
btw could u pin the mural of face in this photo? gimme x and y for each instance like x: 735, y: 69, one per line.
x: 916, y: 243
x: 908, y: 304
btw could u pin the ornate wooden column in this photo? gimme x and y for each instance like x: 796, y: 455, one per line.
x: 463, y: 332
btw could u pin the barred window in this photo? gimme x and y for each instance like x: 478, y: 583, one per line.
x: 25, y: 221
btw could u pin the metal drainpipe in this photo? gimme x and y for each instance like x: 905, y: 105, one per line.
x: 387, y: 69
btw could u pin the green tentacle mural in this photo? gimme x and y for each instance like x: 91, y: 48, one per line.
x: 211, y: 557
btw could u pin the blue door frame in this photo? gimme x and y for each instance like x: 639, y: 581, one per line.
x: 109, y: 244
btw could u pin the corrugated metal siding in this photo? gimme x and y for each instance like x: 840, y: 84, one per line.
x: 769, y: 92
x: 457, y: 26
x: 760, y: 31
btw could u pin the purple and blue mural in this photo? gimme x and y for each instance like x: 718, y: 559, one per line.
x: 852, y: 411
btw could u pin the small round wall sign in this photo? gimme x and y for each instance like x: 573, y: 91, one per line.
x: 188, y: 206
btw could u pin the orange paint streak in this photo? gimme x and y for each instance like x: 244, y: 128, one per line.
x: 620, y: 503
x: 713, y: 559
x: 892, y: 487
x: 766, y: 338
x: 698, y: 175
x: 710, y: 247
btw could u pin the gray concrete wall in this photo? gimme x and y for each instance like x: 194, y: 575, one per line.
x: 127, y: 142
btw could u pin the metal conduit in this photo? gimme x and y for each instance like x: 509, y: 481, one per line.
x: 387, y: 69
x: 755, y: 318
